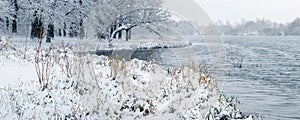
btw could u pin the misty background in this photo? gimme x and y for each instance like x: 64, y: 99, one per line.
x: 254, y: 17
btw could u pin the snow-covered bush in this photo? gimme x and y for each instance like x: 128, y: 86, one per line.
x: 10, y: 52
x: 6, y: 45
x: 64, y: 58
x: 100, y: 87
x: 145, y: 91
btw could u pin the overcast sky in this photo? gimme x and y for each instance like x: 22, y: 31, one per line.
x: 234, y: 10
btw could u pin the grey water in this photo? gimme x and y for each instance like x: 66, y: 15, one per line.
x: 262, y: 72
x: 268, y: 80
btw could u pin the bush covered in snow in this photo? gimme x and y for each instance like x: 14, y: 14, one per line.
x: 100, y: 87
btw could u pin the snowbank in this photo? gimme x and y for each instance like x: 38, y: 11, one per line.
x: 100, y: 87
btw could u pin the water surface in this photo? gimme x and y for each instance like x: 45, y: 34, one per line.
x: 268, y: 82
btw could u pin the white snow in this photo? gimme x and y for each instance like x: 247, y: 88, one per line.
x: 100, y: 87
x: 15, y: 74
x: 89, y: 45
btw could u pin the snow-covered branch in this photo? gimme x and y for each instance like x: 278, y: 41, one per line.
x: 111, y: 19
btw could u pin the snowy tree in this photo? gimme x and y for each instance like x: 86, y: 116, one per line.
x: 138, y: 17
x: 75, y: 12
x: 66, y: 15
x: 113, y: 17
x: 9, y: 13
x: 42, y: 14
x: 4, y: 8
x: 6, y: 11
x: 44, y: 17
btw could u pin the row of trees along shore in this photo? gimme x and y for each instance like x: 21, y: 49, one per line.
x: 260, y: 27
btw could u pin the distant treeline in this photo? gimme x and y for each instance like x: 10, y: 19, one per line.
x: 261, y: 27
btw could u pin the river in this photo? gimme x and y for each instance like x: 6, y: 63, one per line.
x: 262, y: 72
x: 268, y: 80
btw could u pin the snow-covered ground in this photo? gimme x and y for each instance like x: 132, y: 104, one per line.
x: 92, y: 45
x: 100, y: 87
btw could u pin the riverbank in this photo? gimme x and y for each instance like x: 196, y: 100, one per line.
x: 92, y: 87
x: 103, y: 45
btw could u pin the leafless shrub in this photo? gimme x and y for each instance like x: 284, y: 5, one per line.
x: 65, y: 60
x: 44, y: 62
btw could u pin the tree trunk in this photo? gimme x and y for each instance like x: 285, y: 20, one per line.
x: 59, y: 32
x: 114, y: 28
x: 14, y: 22
x: 51, y: 30
x: 36, y: 28
x: 111, y: 31
x: 127, y: 34
x: 48, y: 39
x: 33, y: 27
x: 64, y: 33
x: 81, y: 29
x: 50, y: 33
x: 64, y: 30
x: 120, y: 32
x: 7, y: 23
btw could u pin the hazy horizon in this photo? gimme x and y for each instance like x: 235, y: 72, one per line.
x: 237, y: 10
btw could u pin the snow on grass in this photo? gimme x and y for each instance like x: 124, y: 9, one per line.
x: 100, y: 87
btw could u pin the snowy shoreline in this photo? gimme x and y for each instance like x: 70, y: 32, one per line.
x: 103, y: 45
x: 93, y: 87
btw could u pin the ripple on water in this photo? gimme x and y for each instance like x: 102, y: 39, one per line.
x: 269, y: 80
